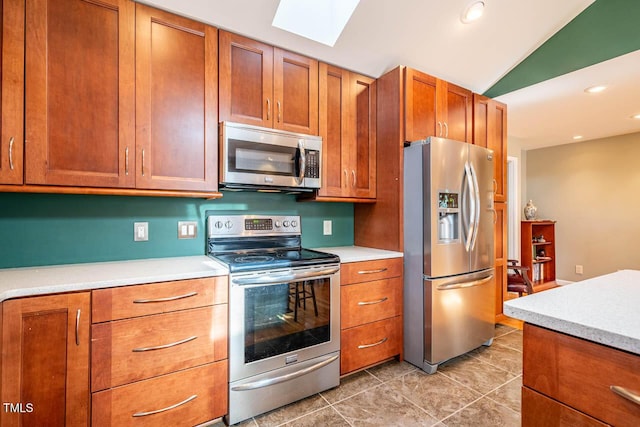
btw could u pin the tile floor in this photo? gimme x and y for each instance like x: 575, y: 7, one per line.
x: 481, y: 388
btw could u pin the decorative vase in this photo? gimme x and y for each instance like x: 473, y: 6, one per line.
x: 530, y: 211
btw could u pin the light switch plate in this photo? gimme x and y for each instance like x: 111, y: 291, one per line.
x: 187, y: 229
x: 140, y: 231
x: 326, y: 227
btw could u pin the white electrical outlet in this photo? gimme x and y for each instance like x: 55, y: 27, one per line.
x: 140, y: 231
x: 579, y: 269
x: 187, y: 229
x: 326, y: 227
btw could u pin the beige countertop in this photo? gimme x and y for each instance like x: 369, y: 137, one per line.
x: 30, y: 281
x: 359, y: 253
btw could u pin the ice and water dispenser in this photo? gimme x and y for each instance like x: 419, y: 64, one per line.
x: 448, y: 217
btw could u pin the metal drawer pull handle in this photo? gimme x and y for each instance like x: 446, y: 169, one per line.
x: 287, y: 377
x: 626, y: 393
x: 382, y: 341
x: 144, y: 301
x: 78, y: 327
x: 268, y: 109
x: 373, y: 302
x: 126, y: 161
x: 143, y: 162
x: 279, y: 111
x: 168, y: 408
x: 354, y: 177
x: 11, y: 152
x: 160, y: 347
x: 381, y: 270
x: 446, y: 127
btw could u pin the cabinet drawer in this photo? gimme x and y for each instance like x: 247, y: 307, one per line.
x: 135, y: 349
x: 540, y: 411
x: 142, y: 300
x: 156, y: 402
x: 579, y: 373
x: 370, y: 301
x: 371, y: 343
x: 356, y: 272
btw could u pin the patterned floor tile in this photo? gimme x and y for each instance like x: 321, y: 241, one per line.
x: 294, y: 410
x: 501, y: 357
x: 475, y: 374
x: 512, y: 340
x: 484, y: 413
x: 351, y: 385
x: 391, y: 370
x: 509, y: 394
x: 324, y: 417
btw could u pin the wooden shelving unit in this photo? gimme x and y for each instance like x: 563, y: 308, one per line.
x: 538, y: 251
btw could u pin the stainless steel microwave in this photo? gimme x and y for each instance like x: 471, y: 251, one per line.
x: 253, y: 157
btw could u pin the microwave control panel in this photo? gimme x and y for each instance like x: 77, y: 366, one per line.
x: 312, y: 169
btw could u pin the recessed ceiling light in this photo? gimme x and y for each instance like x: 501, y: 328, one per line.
x: 637, y: 116
x: 318, y: 20
x: 577, y: 137
x: 595, y: 89
x: 472, y: 12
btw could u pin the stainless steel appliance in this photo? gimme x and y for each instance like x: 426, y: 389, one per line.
x: 255, y: 158
x: 284, y: 312
x: 448, y: 250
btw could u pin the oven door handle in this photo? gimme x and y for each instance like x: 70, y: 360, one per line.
x: 283, y: 278
x: 288, y: 377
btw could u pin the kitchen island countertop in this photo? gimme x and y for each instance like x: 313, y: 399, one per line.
x: 31, y: 281
x: 359, y: 253
x: 603, y: 309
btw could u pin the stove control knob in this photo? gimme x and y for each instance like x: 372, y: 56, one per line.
x: 285, y: 223
x: 278, y: 224
x: 294, y: 223
x: 218, y: 224
x: 228, y: 224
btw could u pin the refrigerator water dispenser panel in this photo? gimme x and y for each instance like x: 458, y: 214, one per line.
x: 448, y: 230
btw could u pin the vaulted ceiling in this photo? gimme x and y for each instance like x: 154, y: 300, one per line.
x: 536, y: 56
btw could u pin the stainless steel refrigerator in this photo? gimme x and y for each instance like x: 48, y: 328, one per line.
x: 449, y: 288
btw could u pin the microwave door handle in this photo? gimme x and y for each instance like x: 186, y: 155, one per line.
x: 302, y: 162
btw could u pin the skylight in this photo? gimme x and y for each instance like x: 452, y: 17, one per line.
x: 318, y: 20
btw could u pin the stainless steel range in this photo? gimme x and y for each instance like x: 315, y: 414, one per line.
x: 284, y: 312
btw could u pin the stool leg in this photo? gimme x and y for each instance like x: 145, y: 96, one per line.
x: 313, y: 298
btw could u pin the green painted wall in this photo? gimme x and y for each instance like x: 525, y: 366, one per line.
x: 48, y: 229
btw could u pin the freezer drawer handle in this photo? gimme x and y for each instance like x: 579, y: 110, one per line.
x: 373, y: 302
x: 168, y: 408
x: 465, y: 284
x: 160, y: 347
x: 145, y: 301
x: 380, y: 270
x: 382, y: 341
x: 288, y: 377
x: 626, y: 393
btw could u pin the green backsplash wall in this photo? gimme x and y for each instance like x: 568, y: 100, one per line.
x: 48, y: 229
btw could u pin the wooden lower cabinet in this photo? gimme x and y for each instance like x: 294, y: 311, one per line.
x: 185, y: 398
x: 159, y: 353
x: 371, y: 313
x: 45, y: 361
x: 578, y: 375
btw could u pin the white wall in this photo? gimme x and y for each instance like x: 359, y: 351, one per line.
x: 592, y: 190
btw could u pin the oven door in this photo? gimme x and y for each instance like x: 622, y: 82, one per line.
x: 282, y: 317
x: 261, y: 157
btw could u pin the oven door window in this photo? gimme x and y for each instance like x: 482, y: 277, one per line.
x: 254, y: 157
x: 286, y: 317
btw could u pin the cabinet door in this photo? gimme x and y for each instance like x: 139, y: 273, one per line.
x: 12, y: 91
x: 455, y: 111
x: 362, y: 151
x: 498, y: 143
x: 295, y: 91
x: 501, y: 254
x: 45, y: 360
x: 334, y: 114
x: 176, y: 102
x: 481, y: 120
x: 246, y: 80
x: 79, y: 122
x: 420, y: 106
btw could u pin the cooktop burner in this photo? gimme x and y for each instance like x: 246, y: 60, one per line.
x: 252, y: 258
x: 274, y: 259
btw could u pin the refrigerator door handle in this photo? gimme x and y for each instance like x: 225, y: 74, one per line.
x: 470, y: 223
x: 461, y: 285
x: 476, y: 203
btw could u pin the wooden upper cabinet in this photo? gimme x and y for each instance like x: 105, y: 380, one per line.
x: 490, y: 131
x: 348, y: 129
x: 79, y: 122
x: 434, y: 107
x: 266, y: 86
x: 45, y: 360
x: 176, y: 102
x: 12, y: 91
